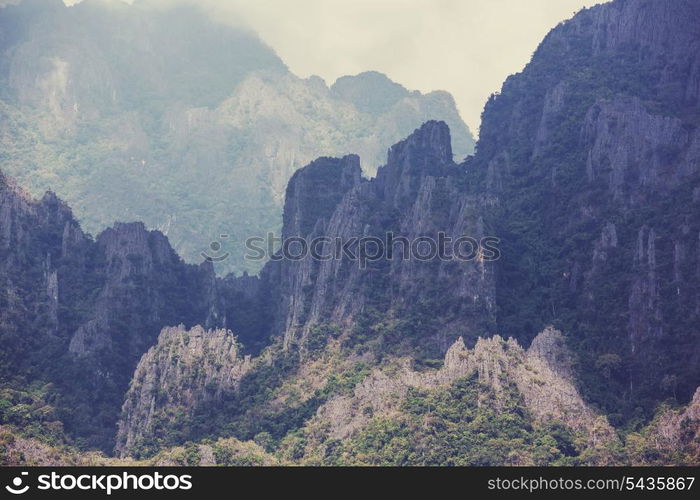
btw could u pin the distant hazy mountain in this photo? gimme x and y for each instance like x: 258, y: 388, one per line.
x: 166, y: 116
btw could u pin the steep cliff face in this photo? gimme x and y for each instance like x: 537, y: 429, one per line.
x: 311, y: 307
x: 46, y: 270
x: 417, y: 195
x: 79, y: 88
x: 146, y: 286
x: 133, y: 257
x: 80, y: 312
x: 313, y: 195
x: 593, y: 153
x: 132, y: 282
x: 185, y: 369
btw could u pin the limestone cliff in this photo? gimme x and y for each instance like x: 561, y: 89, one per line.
x: 541, y: 374
x: 593, y: 152
x: 185, y: 369
x: 80, y: 312
x: 415, y: 195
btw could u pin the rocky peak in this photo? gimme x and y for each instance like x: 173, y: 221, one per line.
x: 370, y: 92
x: 456, y: 357
x: 143, y: 273
x: 185, y: 369
x: 415, y: 195
x: 639, y: 155
x: 22, y: 217
x: 131, y: 249
x: 604, y: 169
x: 97, y: 305
x: 423, y: 153
x: 549, y: 347
x: 500, y: 365
x: 314, y: 192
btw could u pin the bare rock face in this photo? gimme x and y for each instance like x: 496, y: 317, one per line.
x: 588, y: 168
x: 17, y: 209
x: 90, y: 309
x: 415, y: 195
x: 143, y: 275
x: 44, y: 258
x: 546, y: 381
x: 541, y: 374
x: 186, y: 368
x: 680, y: 429
x: 595, y: 178
x: 313, y: 195
x: 549, y: 348
x: 409, y: 161
x: 638, y: 152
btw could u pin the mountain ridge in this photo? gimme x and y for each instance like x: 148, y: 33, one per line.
x: 208, y: 121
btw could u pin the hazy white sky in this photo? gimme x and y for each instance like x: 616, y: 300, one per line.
x: 467, y: 47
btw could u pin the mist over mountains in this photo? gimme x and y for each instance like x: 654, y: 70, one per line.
x: 161, y: 114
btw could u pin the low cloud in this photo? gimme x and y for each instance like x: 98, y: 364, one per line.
x: 467, y: 47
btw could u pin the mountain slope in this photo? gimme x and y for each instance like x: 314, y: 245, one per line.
x: 593, y: 152
x: 418, y: 305
x: 183, y: 370
x: 78, y: 313
x: 163, y: 115
x: 498, y: 374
